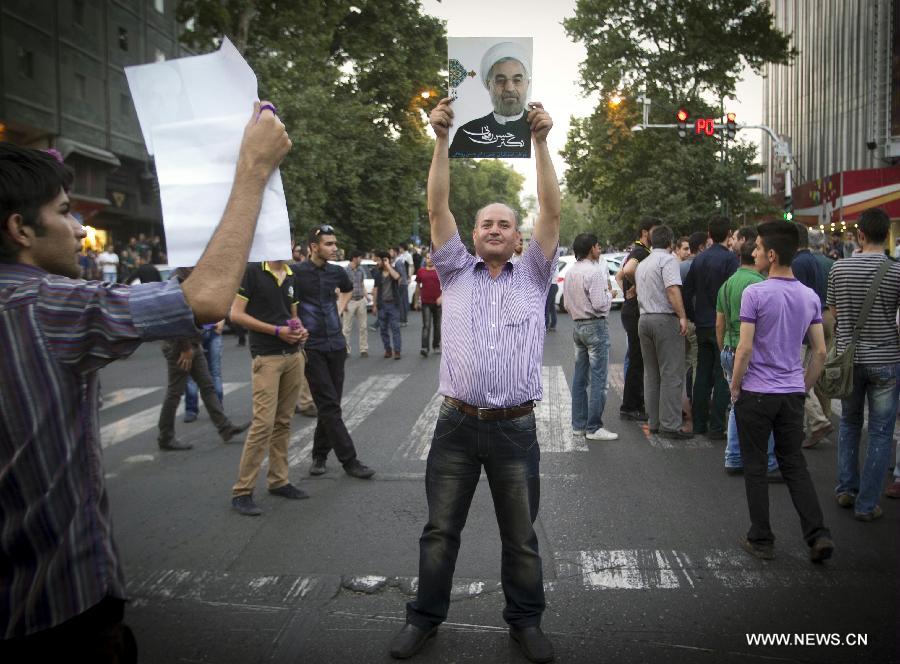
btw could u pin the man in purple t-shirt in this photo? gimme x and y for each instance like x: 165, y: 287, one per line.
x: 769, y: 386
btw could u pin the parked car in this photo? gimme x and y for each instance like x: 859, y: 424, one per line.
x: 566, y: 263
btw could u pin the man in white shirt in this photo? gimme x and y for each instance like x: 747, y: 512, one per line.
x: 587, y: 299
x: 109, y: 264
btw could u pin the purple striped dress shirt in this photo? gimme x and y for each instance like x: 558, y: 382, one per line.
x: 57, y: 555
x: 492, y: 330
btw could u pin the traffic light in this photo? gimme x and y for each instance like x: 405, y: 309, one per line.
x: 788, y: 209
x: 730, y: 126
x: 682, y: 117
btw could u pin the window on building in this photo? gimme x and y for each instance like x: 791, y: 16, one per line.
x: 123, y: 39
x: 80, y: 87
x: 160, y: 6
x: 78, y: 12
x: 160, y: 55
x: 26, y: 63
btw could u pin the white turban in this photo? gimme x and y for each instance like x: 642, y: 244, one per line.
x: 502, y: 51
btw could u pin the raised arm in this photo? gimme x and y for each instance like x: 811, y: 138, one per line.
x: 546, y: 228
x: 443, y: 225
x: 209, y: 291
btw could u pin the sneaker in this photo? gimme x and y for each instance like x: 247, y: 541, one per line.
x: 317, y: 467
x: 424, y: 352
x: 734, y: 470
x: 289, y: 491
x: 602, y: 434
x: 359, y: 470
x: 869, y: 516
x: 244, y: 505
x: 190, y: 417
x: 233, y: 430
x: 636, y: 415
x: 758, y: 550
x: 396, y: 354
x: 846, y: 500
x: 175, y: 445
x: 437, y: 350
x: 893, y: 491
x: 821, y: 550
x: 364, y: 353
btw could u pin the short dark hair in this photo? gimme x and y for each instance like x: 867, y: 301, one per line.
x: 29, y: 179
x: 403, y: 246
x: 719, y: 226
x: 661, y: 237
x: 875, y: 223
x: 583, y: 244
x: 746, y: 253
x: 382, y: 255
x: 356, y: 253
x: 696, y: 240
x: 781, y: 237
x: 747, y: 233
x: 646, y: 223
x: 317, y: 232
x: 682, y: 240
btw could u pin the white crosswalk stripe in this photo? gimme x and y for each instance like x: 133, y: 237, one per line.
x: 554, y: 414
x: 418, y: 443
x: 145, y: 420
x: 126, y: 394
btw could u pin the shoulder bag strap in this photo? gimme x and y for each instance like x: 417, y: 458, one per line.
x: 870, y: 299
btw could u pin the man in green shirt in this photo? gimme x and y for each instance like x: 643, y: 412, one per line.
x: 728, y: 333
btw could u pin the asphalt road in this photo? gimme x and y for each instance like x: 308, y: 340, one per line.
x: 638, y: 537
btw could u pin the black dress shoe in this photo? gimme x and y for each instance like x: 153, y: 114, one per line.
x: 317, y: 467
x: 677, y: 434
x: 359, y: 470
x: 289, y: 491
x: 409, y: 640
x: 535, y: 646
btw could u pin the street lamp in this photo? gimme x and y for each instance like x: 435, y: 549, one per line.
x: 615, y: 100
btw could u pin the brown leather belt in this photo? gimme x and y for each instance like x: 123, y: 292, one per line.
x: 490, y: 414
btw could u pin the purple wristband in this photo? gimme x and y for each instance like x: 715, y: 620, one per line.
x: 277, y: 327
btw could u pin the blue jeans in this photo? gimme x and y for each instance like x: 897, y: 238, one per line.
x: 733, y: 446
x: 508, y: 450
x: 389, y: 325
x: 212, y: 348
x: 875, y: 383
x: 591, y: 339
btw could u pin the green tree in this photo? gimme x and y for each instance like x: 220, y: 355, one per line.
x: 679, y: 52
x: 346, y: 77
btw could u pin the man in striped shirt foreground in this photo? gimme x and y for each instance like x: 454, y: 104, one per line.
x: 492, y: 339
x: 61, y: 585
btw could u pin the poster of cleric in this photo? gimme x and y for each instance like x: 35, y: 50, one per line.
x: 490, y: 82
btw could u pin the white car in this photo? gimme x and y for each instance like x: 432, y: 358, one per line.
x: 369, y: 281
x: 565, y: 264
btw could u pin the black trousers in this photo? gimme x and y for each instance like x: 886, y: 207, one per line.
x: 97, y: 635
x: 633, y: 390
x: 325, y: 374
x: 757, y: 415
x: 431, y: 316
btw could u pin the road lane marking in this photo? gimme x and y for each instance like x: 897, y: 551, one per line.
x: 126, y: 394
x: 418, y: 443
x: 553, y: 414
x: 145, y: 420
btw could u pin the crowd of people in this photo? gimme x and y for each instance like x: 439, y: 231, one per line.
x: 728, y: 333
x: 124, y: 263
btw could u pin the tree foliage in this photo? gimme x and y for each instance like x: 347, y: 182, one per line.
x: 682, y: 48
x: 679, y: 52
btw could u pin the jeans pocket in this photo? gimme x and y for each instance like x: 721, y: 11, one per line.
x: 883, y: 375
x: 521, y: 431
x: 448, y: 421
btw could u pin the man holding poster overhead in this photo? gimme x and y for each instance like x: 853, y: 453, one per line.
x: 492, y: 339
x: 505, y: 131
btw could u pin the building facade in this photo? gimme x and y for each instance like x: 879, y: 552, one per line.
x: 838, y: 106
x: 63, y: 86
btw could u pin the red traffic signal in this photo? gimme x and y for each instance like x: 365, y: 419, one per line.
x: 730, y: 126
x: 682, y: 116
